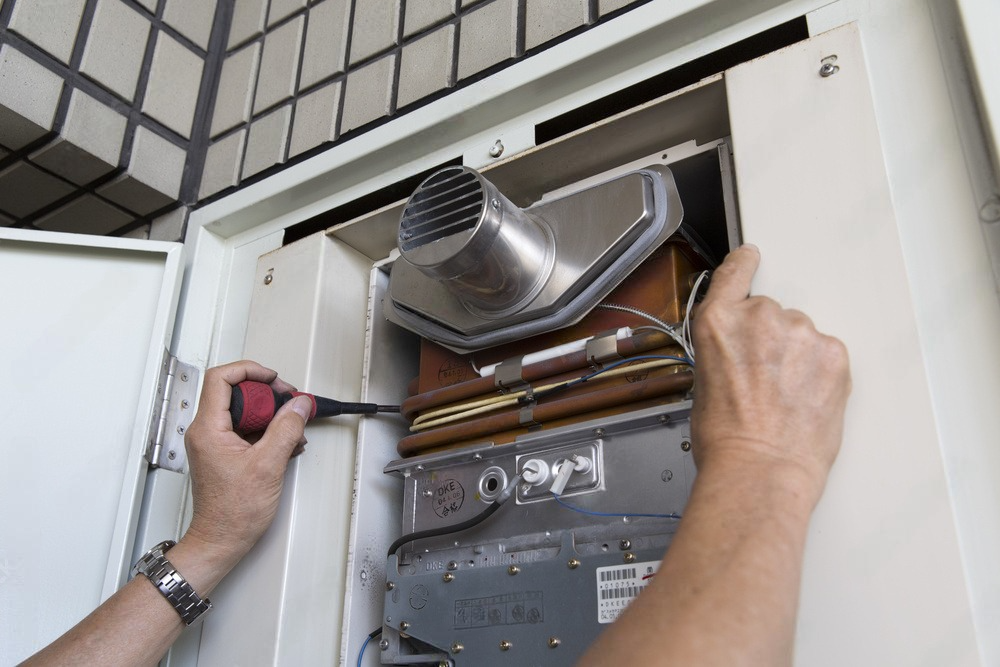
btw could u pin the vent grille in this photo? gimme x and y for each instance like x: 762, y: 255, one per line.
x: 448, y: 203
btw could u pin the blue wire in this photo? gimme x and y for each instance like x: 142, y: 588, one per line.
x: 631, y: 359
x: 583, y: 511
x: 361, y: 653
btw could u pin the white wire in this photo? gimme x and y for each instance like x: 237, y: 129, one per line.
x: 664, y: 327
x: 688, y: 344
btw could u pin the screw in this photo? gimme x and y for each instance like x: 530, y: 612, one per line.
x: 268, y: 278
x: 384, y: 644
x: 686, y: 446
x: 828, y: 69
x: 573, y: 563
x: 629, y: 557
x: 404, y: 626
x: 625, y: 545
x: 420, y: 468
x: 452, y: 565
x: 184, y: 377
x: 525, y: 488
x: 185, y: 404
x: 448, y: 577
x: 427, y: 493
x: 496, y: 150
x: 990, y: 211
x: 180, y: 429
x: 477, y: 457
x: 442, y: 664
x: 554, y: 642
x: 505, y: 645
x: 513, y: 569
x: 456, y: 647
x: 495, y: 203
x: 171, y: 455
x: 599, y: 432
x: 389, y: 585
x: 664, y: 419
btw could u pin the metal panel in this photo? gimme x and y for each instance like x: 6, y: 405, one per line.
x: 86, y: 322
x: 883, y: 580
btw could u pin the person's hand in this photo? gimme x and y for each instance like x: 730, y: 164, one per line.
x: 235, y: 485
x: 770, y: 390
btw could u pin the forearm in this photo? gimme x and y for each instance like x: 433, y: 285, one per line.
x: 136, y: 625
x: 727, y: 590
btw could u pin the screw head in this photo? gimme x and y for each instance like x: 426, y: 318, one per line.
x: 184, y: 377
x: 457, y: 647
x: 554, y: 642
x: 448, y: 577
x: 185, y: 404
x: 384, y: 644
x: 442, y: 664
x: 389, y: 585
x: 496, y: 150
x: 171, y: 455
x: 427, y: 493
x: 664, y: 419
x: 828, y: 69
x: 452, y: 565
x: 573, y: 563
x: 513, y: 569
x: 404, y: 626
x: 686, y: 446
x: 625, y: 545
x: 505, y: 645
x: 420, y: 468
x: 268, y: 279
x: 629, y: 557
x: 180, y: 429
x: 495, y: 203
x: 599, y: 432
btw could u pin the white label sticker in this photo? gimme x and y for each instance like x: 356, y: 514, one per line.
x: 618, y: 585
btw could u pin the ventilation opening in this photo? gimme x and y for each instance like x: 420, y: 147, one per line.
x: 448, y: 203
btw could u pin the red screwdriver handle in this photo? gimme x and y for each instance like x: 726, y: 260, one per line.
x: 253, y: 405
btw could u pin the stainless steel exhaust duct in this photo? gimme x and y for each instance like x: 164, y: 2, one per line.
x: 476, y: 271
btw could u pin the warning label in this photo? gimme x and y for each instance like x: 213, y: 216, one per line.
x: 508, y: 609
x: 618, y: 585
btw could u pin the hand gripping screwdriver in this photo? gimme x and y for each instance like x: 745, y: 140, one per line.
x: 253, y: 405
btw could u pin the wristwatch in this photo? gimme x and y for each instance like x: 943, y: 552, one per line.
x: 155, y: 566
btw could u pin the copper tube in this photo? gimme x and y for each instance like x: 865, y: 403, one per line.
x: 637, y: 344
x: 548, y: 411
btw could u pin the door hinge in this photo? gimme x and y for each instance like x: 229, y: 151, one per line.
x: 173, y: 412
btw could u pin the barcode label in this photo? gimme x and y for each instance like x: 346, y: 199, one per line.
x: 618, y: 585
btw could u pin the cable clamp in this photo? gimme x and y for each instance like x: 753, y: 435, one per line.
x: 507, y: 376
x: 602, y: 347
x: 526, y: 416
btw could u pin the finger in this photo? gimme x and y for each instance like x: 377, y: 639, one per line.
x: 217, y: 391
x: 282, y: 387
x: 285, y: 431
x: 731, y: 281
x: 299, y: 449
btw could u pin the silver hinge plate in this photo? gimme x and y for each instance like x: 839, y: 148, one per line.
x: 176, y: 392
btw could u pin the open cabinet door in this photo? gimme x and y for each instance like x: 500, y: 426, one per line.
x: 86, y: 321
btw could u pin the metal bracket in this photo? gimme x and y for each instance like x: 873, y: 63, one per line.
x: 602, y: 347
x: 507, y: 376
x: 173, y: 412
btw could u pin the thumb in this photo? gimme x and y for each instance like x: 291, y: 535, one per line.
x: 285, y: 430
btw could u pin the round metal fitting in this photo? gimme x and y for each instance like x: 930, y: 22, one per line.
x: 828, y: 69
x: 599, y: 432
x: 184, y: 377
x: 389, y: 585
x: 268, y: 279
x: 625, y: 545
x: 185, y: 404
x: 554, y: 642
x: 496, y: 150
x: 456, y: 647
x: 513, y: 569
x: 452, y: 565
x: 686, y: 446
x: 492, y: 483
x: 573, y: 563
x: 505, y: 645
x: 171, y: 455
x: 448, y: 577
x: 664, y: 419
x: 629, y: 557
x: 427, y: 493
x: 384, y: 644
x: 442, y: 664
x: 180, y: 429
x: 420, y: 468
x: 404, y: 626
x: 990, y: 211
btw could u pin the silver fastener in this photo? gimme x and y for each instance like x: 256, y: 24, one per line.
x: 828, y: 69
x: 180, y: 429
x: 505, y: 645
x: 171, y: 455
x: 599, y: 432
x: 477, y: 457
x: 403, y: 625
x: 495, y: 203
x: 496, y: 150
x: 554, y: 642
x: 389, y: 585
x: 448, y: 577
x: 268, y: 278
x: 664, y: 419
x: 686, y: 446
x: 573, y: 563
x: 452, y: 565
x: 184, y: 377
x: 990, y: 211
x: 384, y: 644
x: 629, y: 557
x: 625, y: 545
x: 456, y: 647
x: 185, y: 404
x: 420, y: 468
x: 442, y: 664
x: 427, y: 493
x: 513, y: 569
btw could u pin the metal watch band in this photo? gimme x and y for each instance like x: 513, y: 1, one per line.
x: 178, y: 592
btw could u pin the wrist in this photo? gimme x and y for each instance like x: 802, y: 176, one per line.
x: 201, y: 562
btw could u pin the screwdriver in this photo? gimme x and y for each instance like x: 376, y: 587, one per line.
x: 253, y: 405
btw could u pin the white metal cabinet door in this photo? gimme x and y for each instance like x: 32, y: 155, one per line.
x: 85, y: 324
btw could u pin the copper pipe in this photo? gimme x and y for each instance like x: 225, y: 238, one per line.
x: 548, y: 411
